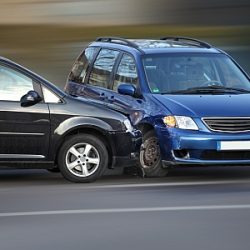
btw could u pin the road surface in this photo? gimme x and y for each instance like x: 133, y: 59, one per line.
x: 192, y: 208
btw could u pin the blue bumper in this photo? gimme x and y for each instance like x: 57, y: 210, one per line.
x: 186, y: 147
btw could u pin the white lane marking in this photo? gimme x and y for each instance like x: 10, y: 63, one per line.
x: 127, y: 210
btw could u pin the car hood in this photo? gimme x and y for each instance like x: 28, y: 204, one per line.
x: 207, y: 105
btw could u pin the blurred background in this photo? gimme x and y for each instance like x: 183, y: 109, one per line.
x: 47, y: 35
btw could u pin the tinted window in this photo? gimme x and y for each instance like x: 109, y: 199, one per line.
x: 101, y: 72
x: 13, y: 84
x: 81, y: 66
x: 126, y: 72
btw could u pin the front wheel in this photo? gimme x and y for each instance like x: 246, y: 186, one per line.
x: 150, y: 157
x: 83, y: 158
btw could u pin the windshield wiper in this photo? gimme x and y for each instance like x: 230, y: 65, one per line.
x: 228, y: 88
x: 209, y: 89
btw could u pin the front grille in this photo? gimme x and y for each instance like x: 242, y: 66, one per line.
x: 228, y: 124
x: 229, y: 155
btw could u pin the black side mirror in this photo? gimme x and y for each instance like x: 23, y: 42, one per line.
x: 31, y: 98
x: 127, y: 89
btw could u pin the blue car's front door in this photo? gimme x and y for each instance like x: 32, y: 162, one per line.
x: 100, y: 75
x: 125, y: 72
x: 92, y: 73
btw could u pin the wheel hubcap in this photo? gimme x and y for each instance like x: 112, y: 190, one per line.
x: 82, y: 159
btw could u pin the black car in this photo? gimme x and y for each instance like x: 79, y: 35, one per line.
x: 43, y: 127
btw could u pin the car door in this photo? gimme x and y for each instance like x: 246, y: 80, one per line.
x: 98, y: 81
x: 24, y: 131
x: 126, y: 72
x: 77, y: 78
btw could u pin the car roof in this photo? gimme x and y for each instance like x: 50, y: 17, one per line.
x: 152, y: 46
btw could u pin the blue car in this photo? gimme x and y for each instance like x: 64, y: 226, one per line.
x: 193, y: 100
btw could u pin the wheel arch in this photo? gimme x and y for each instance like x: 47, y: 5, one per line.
x: 91, y: 129
x: 145, y: 127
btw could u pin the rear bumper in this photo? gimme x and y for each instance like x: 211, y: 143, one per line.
x: 182, y: 147
x: 125, y: 148
x: 124, y: 161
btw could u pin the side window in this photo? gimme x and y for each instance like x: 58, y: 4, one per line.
x: 81, y: 66
x: 101, y: 72
x: 126, y: 72
x: 13, y: 84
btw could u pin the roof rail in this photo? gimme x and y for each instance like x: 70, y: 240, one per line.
x: 179, y: 38
x: 119, y: 40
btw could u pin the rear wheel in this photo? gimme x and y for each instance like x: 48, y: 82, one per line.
x: 83, y: 158
x: 150, y: 156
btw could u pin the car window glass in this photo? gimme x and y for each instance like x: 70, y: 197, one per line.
x: 13, y: 84
x: 194, y: 70
x: 101, y: 72
x: 50, y: 97
x: 126, y: 72
x: 231, y: 74
x: 173, y: 73
x: 81, y: 66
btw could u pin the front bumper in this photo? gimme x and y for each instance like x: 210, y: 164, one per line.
x: 183, y: 147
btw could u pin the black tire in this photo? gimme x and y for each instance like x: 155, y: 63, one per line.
x: 150, y: 157
x: 76, y: 174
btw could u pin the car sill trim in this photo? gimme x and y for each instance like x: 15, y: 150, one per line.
x: 21, y: 156
x: 19, y: 133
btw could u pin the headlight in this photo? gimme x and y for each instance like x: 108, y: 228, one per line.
x: 128, y: 125
x: 183, y: 122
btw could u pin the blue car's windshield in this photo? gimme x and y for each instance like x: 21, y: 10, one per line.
x: 193, y: 73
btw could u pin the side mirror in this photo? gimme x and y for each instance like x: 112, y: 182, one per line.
x: 31, y: 98
x: 126, y: 89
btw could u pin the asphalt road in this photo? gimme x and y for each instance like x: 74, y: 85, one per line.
x: 192, y: 208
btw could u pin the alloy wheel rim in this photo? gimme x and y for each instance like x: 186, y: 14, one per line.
x: 82, y: 159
